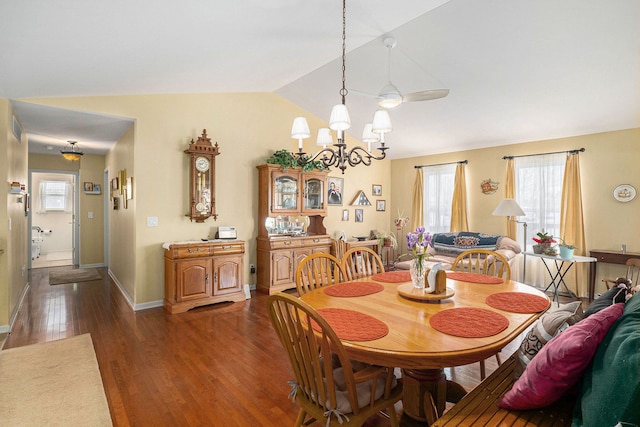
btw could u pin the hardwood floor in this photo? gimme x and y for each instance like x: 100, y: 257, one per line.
x: 219, y: 365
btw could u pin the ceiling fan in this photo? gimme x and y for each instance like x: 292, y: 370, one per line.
x: 390, y: 96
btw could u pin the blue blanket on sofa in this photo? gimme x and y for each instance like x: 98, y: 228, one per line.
x: 458, y: 242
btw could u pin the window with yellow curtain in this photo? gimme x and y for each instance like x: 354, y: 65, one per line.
x: 538, y: 183
x: 438, y: 195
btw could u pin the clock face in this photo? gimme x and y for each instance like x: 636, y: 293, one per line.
x: 202, y: 164
x: 200, y: 207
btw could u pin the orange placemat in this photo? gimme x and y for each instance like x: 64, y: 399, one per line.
x: 353, y: 289
x: 392, y: 276
x: 352, y: 325
x: 518, y: 302
x: 474, y: 278
x: 469, y: 322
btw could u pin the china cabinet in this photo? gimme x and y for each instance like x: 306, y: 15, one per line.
x: 202, y: 273
x: 291, y: 208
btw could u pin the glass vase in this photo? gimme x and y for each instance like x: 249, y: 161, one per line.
x: 418, y: 271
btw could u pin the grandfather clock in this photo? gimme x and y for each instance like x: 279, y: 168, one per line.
x: 202, y: 157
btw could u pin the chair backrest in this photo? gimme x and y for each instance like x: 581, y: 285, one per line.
x: 312, y: 346
x: 483, y: 261
x: 633, y: 270
x: 361, y: 262
x: 318, y: 270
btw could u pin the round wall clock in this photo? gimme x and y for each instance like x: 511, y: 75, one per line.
x: 624, y: 193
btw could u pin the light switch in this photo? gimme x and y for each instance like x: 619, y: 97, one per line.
x: 152, y: 221
x: 90, y: 215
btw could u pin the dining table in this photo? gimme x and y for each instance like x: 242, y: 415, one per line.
x: 384, y: 320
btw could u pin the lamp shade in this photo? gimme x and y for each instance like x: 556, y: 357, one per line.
x: 339, y: 119
x: 368, y: 136
x: 72, y: 151
x: 324, y: 137
x: 381, y: 122
x: 508, y: 207
x: 300, y: 128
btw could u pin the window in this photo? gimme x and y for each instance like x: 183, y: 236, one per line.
x: 438, y: 196
x: 54, y: 195
x: 538, y: 181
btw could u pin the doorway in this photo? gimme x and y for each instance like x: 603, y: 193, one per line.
x: 53, y: 240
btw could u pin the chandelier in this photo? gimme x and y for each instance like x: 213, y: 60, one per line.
x: 72, y: 151
x: 339, y: 156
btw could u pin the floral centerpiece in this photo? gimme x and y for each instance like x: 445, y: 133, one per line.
x: 543, y: 244
x: 417, y: 243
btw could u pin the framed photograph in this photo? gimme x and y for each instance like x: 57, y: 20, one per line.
x: 381, y: 205
x: 359, y: 215
x: 334, y: 193
x: 345, y: 214
x: 376, y: 190
x: 88, y: 186
x: 116, y: 203
x: 115, y: 184
x: 97, y: 188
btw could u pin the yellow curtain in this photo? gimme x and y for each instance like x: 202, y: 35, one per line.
x: 572, y: 218
x: 510, y: 193
x: 417, y: 209
x: 459, y: 203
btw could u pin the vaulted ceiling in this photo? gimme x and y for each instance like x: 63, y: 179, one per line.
x: 517, y: 70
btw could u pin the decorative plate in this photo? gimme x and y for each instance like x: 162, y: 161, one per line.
x: 624, y: 193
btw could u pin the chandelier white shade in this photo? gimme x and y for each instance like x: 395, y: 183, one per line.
x: 324, y: 137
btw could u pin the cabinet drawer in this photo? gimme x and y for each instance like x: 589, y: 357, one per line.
x: 228, y: 249
x: 285, y: 244
x: 188, y: 252
x: 317, y: 241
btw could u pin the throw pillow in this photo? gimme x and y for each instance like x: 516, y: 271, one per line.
x: 560, y: 363
x: 548, y: 326
x: 611, y: 388
x: 604, y: 301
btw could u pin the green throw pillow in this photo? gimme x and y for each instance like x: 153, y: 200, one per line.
x: 611, y: 385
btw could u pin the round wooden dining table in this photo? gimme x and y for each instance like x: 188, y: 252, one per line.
x: 422, y: 351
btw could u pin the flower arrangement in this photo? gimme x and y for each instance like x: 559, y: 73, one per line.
x: 544, y: 239
x: 417, y: 242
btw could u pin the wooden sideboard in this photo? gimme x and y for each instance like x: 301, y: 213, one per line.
x: 202, y: 273
x: 609, y: 257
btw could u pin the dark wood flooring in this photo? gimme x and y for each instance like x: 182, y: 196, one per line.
x: 219, y: 365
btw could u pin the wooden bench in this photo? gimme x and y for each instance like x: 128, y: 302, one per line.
x: 480, y: 406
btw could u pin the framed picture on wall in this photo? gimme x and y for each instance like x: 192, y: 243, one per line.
x: 381, y: 205
x: 345, y: 214
x: 114, y: 184
x: 334, y: 195
x: 88, y: 186
x: 376, y: 190
x: 359, y: 215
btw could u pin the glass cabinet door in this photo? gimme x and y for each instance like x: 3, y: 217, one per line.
x: 313, y: 196
x: 285, y: 193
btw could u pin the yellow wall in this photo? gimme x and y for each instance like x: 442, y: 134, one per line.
x: 13, y: 263
x: 610, y: 159
x: 248, y: 128
x: 92, y: 229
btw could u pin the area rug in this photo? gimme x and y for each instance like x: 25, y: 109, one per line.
x: 55, y: 383
x: 73, y: 276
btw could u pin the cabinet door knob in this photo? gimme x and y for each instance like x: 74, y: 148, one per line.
x: 287, y: 243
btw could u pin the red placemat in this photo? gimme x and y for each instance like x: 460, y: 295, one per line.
x: 352, y: 325
x: 518, y: 302
x: 474, y: 278
x: 469, y: 322
x: 353, y: 289
x: 392, y: 276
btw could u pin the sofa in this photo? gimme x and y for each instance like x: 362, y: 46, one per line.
x: 447, y: 246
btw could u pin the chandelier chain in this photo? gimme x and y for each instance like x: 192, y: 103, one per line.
x: 343, y: 91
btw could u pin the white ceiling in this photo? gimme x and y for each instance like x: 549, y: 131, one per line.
x: 518, y: 70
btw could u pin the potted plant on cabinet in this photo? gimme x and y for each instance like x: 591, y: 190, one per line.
x: 387, y: 238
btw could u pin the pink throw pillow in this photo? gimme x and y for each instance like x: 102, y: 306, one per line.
x: 560, y: 363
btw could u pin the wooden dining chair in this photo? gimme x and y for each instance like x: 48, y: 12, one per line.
x: 361, y: 262
x: 334, y: 396
x: 487, y: 262
x: 483, y: 261
x: 318, y: 270
x: 633, y: 273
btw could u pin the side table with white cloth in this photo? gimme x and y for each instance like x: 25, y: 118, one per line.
x: 562, y: 266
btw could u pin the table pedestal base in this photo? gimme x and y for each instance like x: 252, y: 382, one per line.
x: 417, y: 383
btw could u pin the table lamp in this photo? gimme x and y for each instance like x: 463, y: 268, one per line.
x: 510, y: 208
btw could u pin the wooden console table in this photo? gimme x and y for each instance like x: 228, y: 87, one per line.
x: 609, y: 257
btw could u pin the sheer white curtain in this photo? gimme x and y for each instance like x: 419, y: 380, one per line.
x: 438, y: 196
x: 538, y: 181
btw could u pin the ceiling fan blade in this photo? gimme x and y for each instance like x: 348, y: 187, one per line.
x: 425, y: 95
x: 359, y: 92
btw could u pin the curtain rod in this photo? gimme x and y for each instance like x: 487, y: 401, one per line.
x: 461, y: 162
x: 579, y: 150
